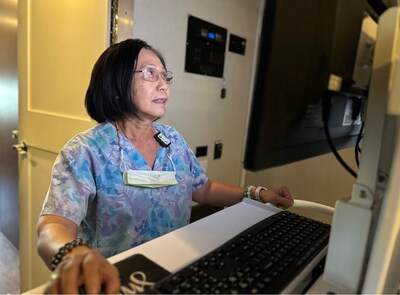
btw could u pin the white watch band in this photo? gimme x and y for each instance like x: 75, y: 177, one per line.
x: 258, y: 190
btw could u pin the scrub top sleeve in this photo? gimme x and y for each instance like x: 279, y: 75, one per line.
x: 72, y: 185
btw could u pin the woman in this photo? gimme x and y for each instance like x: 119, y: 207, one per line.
x: 127, y: 180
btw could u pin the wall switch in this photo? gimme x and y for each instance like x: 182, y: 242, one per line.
x: 218, y: 149
x: 201, y: 151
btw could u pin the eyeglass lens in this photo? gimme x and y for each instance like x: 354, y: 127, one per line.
x: 151, y: 74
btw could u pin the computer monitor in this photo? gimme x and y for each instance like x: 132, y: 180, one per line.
x: 364, y: 247
x: 304, y: 47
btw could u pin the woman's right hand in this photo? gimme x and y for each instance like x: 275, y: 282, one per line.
x: 85, y: 269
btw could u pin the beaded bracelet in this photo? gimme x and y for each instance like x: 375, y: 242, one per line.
x: 246, y: 191
x: 66, y: 249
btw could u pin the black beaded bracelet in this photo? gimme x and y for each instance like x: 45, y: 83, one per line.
x: 66, y: 249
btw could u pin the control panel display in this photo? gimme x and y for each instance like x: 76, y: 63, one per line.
x: 205, y: 48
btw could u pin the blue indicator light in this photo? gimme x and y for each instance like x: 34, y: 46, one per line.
x: 211, y: 35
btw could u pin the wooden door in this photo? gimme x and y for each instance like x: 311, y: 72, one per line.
x: 58, y: 43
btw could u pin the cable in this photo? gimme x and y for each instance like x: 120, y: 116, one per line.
x: 325, y: 118
x: 314, y: 206
x: 357, y: 149
x: 336, y: 154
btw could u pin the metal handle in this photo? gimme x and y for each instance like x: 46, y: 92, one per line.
x: 21, y: 148
x: 14, y: 134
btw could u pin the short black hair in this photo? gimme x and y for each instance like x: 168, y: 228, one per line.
x: 108, y: 97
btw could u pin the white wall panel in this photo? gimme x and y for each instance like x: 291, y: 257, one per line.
x: 195, y: 107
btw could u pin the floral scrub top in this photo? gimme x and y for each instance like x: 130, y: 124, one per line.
x: 87, y: 187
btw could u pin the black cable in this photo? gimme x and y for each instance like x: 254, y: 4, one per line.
x: 338, y: 157
x: 357, y: 149
x: 326, y: 104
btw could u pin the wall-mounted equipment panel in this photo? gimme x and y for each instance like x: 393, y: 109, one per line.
x: 237, y: 44
x: 205, y: 48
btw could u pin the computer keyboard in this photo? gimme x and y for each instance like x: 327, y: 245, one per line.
x: 264, y: 258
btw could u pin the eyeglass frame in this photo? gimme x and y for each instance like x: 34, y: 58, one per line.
x: 163, y: 74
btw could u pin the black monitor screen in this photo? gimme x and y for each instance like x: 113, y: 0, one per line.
x: 304, y: 46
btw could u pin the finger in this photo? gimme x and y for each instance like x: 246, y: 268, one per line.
x: 112, y: 281
x: 285, y: 192
x: 70, y: 272
x: 100, y: 275
x: 92, y: 273
x: 285, y: 202
x: 52, y: 286
x: 282, y: 198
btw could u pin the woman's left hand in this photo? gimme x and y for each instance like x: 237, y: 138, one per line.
x: 279, y: 196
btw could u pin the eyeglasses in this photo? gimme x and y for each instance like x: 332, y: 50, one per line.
x: 151, y: 74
